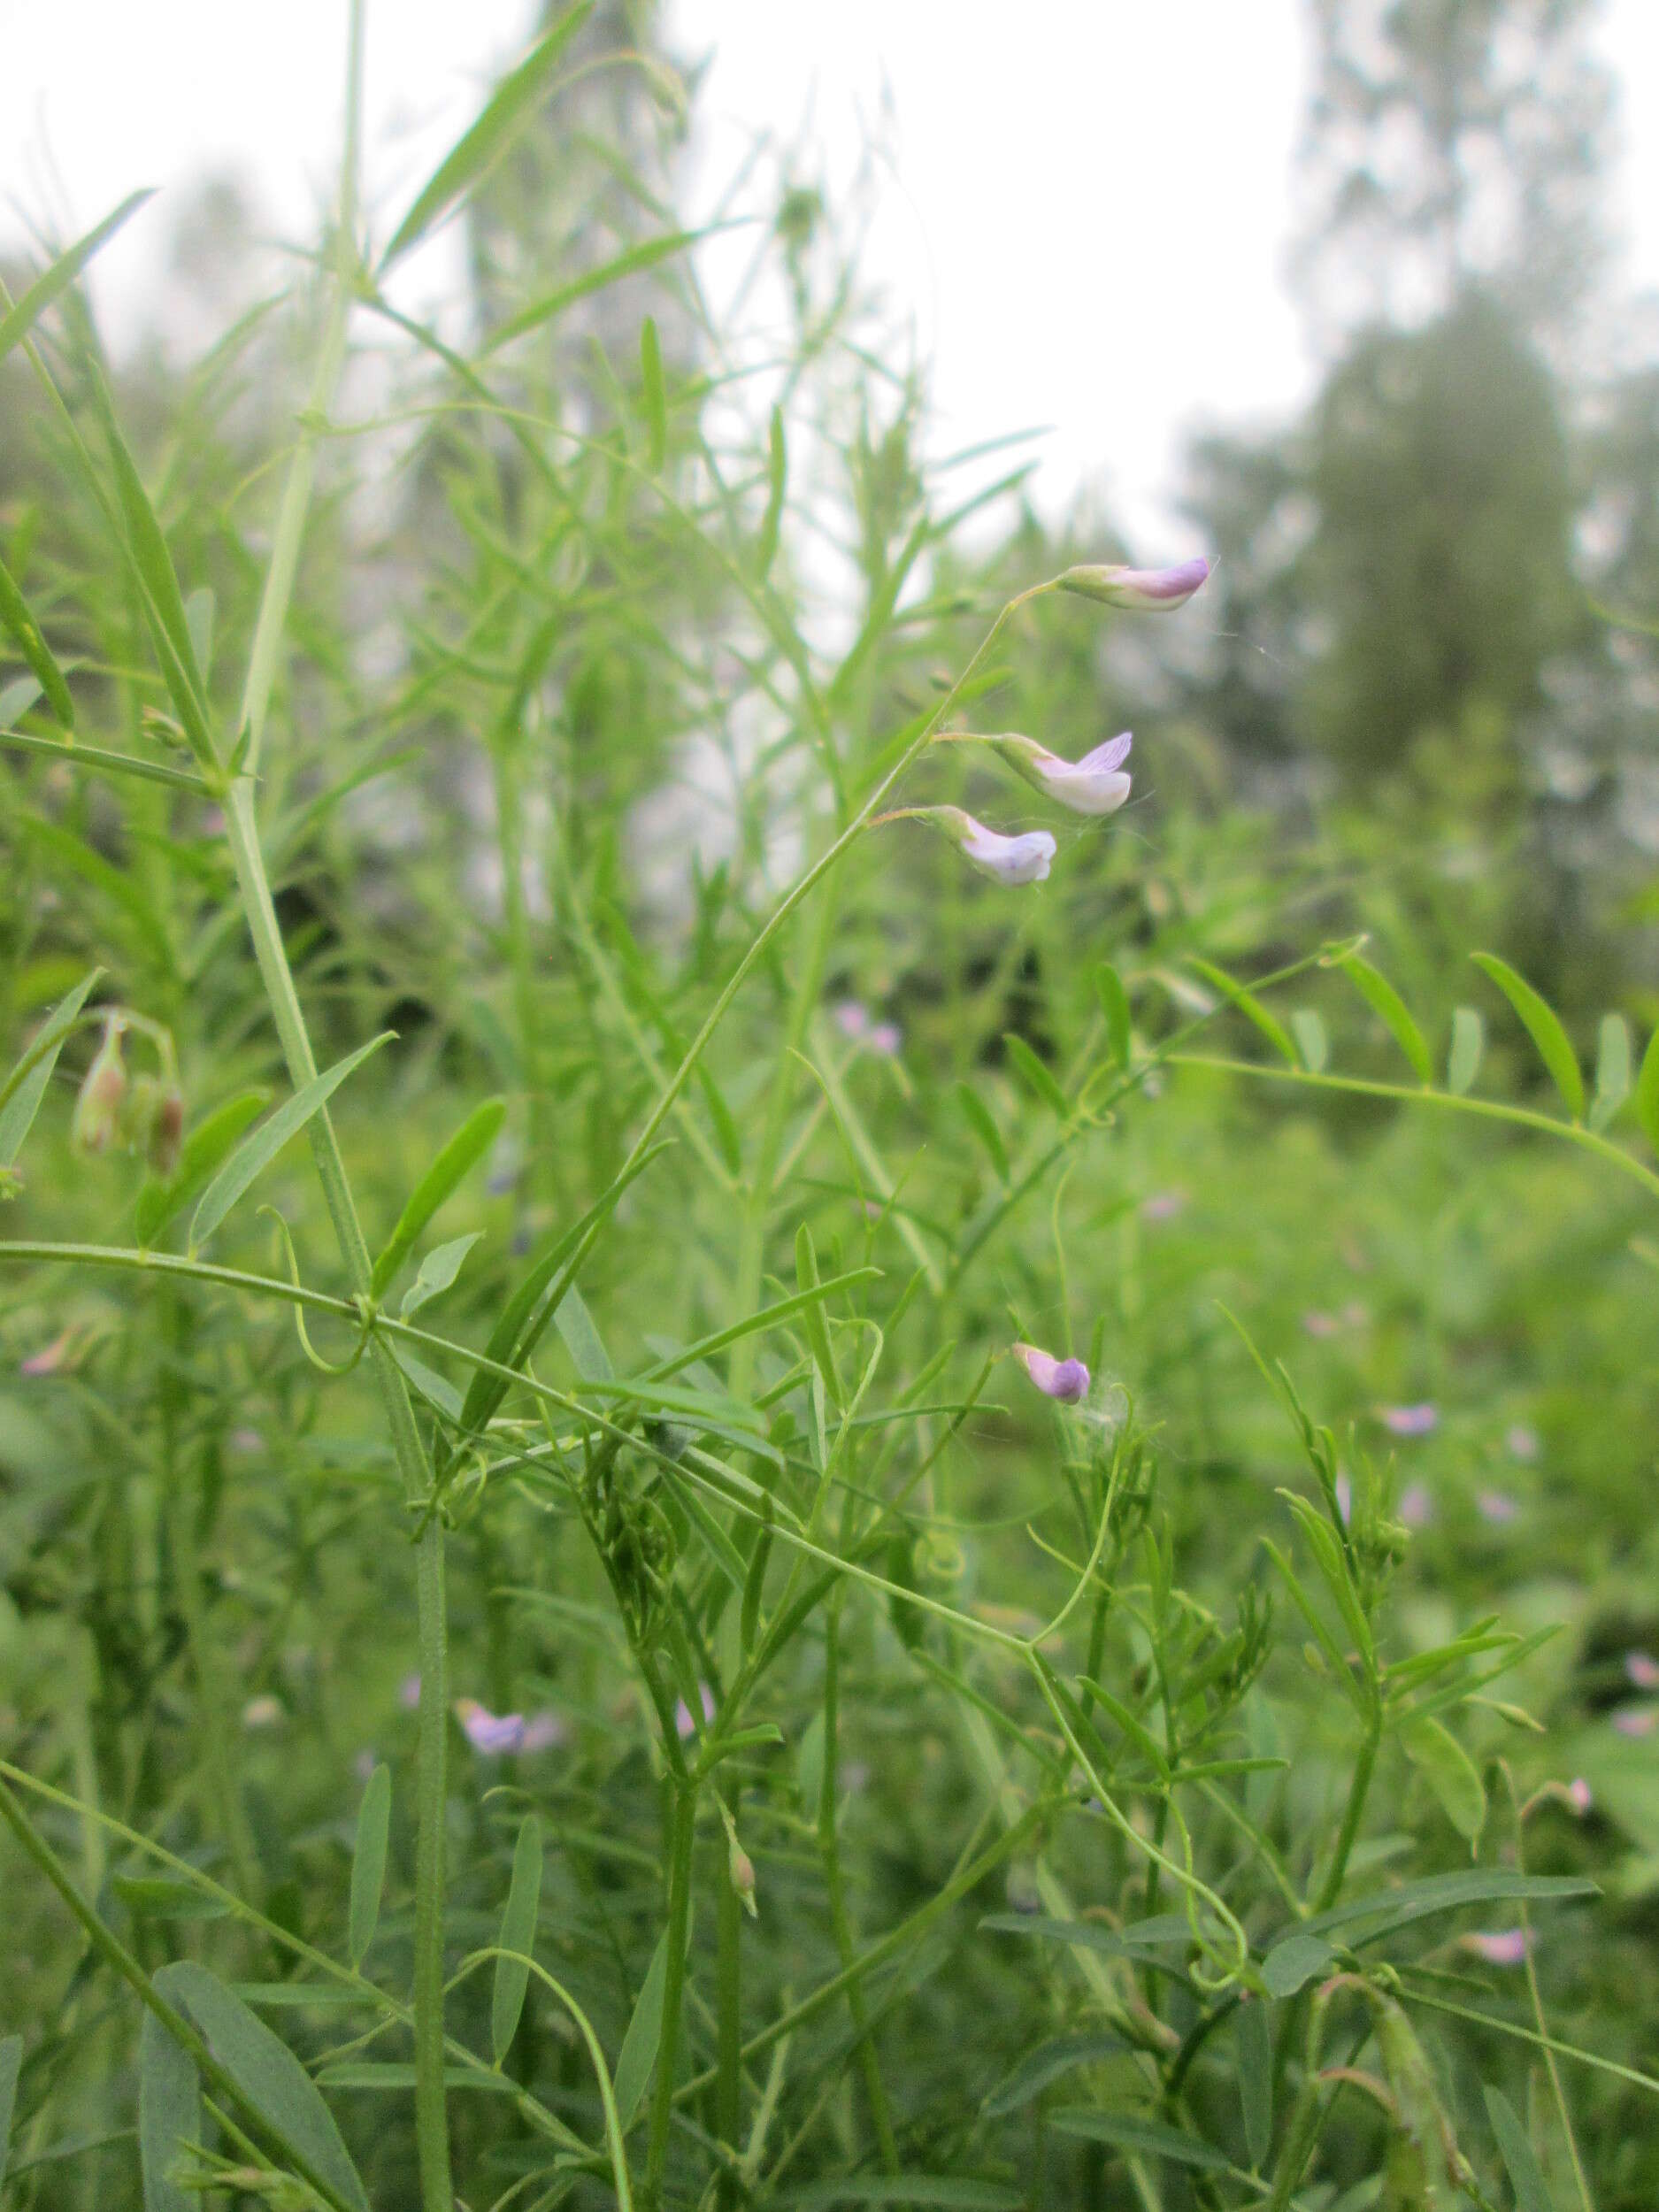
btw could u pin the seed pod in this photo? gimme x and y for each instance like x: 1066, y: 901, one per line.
x: 98, y: 1115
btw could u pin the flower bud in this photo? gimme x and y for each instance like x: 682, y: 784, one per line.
x: 1138, y: 590
x: 740, y: 1869
x: 1021, y: 859
x: 1067, y: 1381
x: 98, y: 1115
x: 166, y: 1132
x: 1098, y: 784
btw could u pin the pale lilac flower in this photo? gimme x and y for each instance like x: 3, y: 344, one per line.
x: 851, y: 1018
x: 1642, y: 1669
x: 490, y: 1733
x: 1579, y: 1795
x: 408, y: 1693
x: 1410, y: 1420
x: 1416, y: 1508
x: 1162, y: 1205
x: 1098, y: 784
x: 55, y: 1358
x: 1636, y: 1721
x: 1064, y: 1379
x: 1140, y: 590
x: 684, y: 1724
x: 1344, y: 1497
x: 1021, y: 859
x: 545, y: 1732
x: 1522, y: 1439
x: 262, y: 1712
x: 1497, y: 1506
x: 887, y: 1037
x: 1506, y: 1947
x: 1320, y: 1324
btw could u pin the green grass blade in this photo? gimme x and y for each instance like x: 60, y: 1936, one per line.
x: 19, y: 321
x: 633, y: 263
x: 27, y: 636
x: 1526, y: 2175
x: 24, y: 1088
x: 518, y: 1937
x: 508, y: 109
x: 368, y: 1864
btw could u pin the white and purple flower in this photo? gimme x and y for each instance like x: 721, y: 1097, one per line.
x: 1418, y: 1420
x: 1098, y: 784
x: 1138, y: 590
x: 1024, y: 858
x: 1065, y: 1380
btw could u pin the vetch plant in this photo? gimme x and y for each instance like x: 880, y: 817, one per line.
x: 553, y: 1671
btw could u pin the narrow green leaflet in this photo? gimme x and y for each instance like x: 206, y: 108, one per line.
x: 438, y: 1270
x: 1520, y: 2160
x: 16, y: 699
x: 1450, y: 1773
x: 1469, y: 1040
x: 1248, y: 1005
x: 477, y: 150
x: 251, y: 1157
x: 1049, y: 2062
x: 655, y: 394
x: 25, y: 1087
x: 517, y: 1935
x: 266, y: 2073
x: 159, y: 1202
x: 772, y: 521
x: 1612, y: 1070
x: 152, y: 564
x: 1254, y: 2043
x: 1299, y: 1954
x: 1648, y: 1092
x: 457, y: 1157
x: 1381, y: 996
x: 581, y: 1338
x: 1036, y: 1076
x: 1543, y: 1025
x: 630, y: 263
x: 1164, y: 1932
x: 978, y: 1117
x: 1114, y: 1005
x: 638, y: 2055
x: 198, y: 620
x: 169, y: 2116
x: 27, y: 634
x: 396, y: 2077
x: 1126, y: 2132
x: 20, y: 319
x: 1311, y: 1041
x: 368, y: 1864
x: 11, y: 2062
x: 1295, y: 1961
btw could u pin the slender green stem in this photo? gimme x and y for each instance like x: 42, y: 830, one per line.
x: 685, y: 1824
x: 728, y: 2087
x: 108, y: 764
x: 1353, y: 1812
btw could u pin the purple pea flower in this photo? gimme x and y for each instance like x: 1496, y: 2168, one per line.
x: 1522, y: 1439
x: 1636, y: 1721
x: 887, y: 1037
x: 1642, y: 1669
x: 1098, y: 784
x: 1579, y: 1795
x: 1065, y: 1380
x: 1138, y: 590
x: 1416, y: 1508
x: 1497, y: 1506
x: 852, y: 1018
x: 1024, y: 858
x: 1417, y: 1420
x: 490, y: 1733
x: 685, y: 1726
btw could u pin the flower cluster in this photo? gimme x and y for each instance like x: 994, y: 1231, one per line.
x: 1098, y: 783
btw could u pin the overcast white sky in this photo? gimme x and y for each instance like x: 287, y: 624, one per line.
x: 1086, y: 219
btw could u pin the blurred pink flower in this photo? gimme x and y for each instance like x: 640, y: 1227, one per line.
x: 851, y: 1018
x: 1507, y: 1947
x: 1579, y: 1795
x: 1522, y: 1439
x: 1416, y: 1508
x: 1636, y: 1720
x: 1497, y: 1506
x: 1410, y: 1420
x: 684, y: 1724
x: 1320, y: 1324
x: 1138, y: 590
x: 887, y: 1037
x: 408, y: 1693
x: 60, y: 1356
x: 546, y: 1731
x: 1642, y: 1669
x: 1162, y: 1205
x: 492, y: 1733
